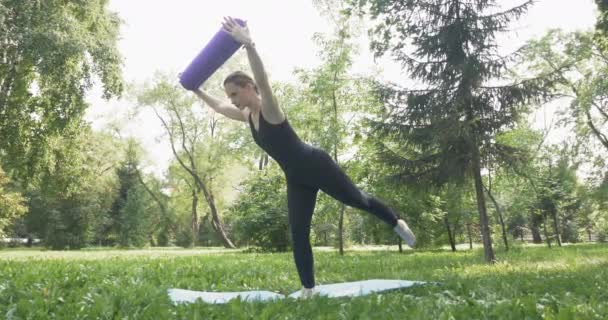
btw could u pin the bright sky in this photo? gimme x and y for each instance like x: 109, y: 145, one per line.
x: 167, y: 34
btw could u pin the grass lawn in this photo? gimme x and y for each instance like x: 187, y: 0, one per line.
x: 527, y: 283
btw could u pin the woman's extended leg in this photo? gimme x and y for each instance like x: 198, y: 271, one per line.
x: 333, y: 181
x: 301, y: 205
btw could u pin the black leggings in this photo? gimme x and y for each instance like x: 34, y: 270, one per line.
x: 321, y: 172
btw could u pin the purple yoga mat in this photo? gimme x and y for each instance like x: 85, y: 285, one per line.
x: 217, y: 51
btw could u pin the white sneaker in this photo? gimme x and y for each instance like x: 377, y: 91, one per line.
x: 307, y: 293
x: 405, y: 233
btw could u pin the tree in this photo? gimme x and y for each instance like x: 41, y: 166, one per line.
x: 66, y: 199
x: 185, y: 130
x: 131, y: 219
x: 582, y: 67
x: 135, y: 221
x: 332, y: 90
x: 11, y: 203
x: 164, y: 228
x: 260, y: 218
x: 444, y: 131
x: 50, y: 53
x: 601, y: 26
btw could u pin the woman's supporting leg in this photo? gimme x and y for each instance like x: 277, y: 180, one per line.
x: 333, y: 181
x: 301, y: 205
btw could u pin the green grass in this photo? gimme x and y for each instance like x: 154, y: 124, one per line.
x: 528, y: 283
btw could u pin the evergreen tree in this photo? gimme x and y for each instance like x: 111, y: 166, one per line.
x: 444, y: 129
x: 135, y: 226
x: 127, y: 180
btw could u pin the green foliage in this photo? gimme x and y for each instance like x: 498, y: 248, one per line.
x: 529, y: 283
x: 443, y: 129
x: 135, y: 220
x: 51, y: 53
x: 329, y: 110
x: 583, y: 68
x: 199, y: 142
x: 69, y: 224
x: 72, y: 194
x: 119, y: 223
x: 601, y: 26
x: 438, y: 130
x: 162, y: 225
x: 11, y: 203
x: 260, y: 214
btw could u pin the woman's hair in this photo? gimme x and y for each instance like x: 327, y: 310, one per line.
x: 241, y: 79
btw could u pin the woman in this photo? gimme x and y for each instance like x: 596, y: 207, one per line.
x: 307, y: 169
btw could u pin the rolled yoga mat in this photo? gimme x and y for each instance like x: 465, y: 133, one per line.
x: 217, y: 51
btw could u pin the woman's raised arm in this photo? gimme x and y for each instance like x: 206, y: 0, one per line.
x: 225, y: 108
x: 270, y: 108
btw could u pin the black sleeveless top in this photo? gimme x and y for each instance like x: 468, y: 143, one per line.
x: 280, y: 142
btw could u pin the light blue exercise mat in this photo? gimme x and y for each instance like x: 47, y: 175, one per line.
x: 346, y: 289
x: 187, y: 296
x: 359, y: 288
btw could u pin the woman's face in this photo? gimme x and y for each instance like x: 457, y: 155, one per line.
x: 239, y: 96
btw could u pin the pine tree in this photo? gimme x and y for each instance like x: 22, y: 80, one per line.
x: 444, y: 130
x: 128, y: 181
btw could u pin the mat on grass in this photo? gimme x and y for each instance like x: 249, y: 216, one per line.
x: 335, y: 290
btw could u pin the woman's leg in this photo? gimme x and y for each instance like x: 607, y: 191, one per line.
x: 333, y: 181
x: 301, y: 205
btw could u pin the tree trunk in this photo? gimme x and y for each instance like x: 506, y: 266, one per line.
x: 216, y: 219
x: 470, y: 236
x: 500, y: 219
x: 341, y: 229
x: 547, y: 233
x: 342, y: 206
x: 194, y: 221
x: 163, y: 209
x: 556, y: 225
x: 450, y: 236
x: 193, y: 172
x: 535, y: 222
x: 263, y: 161
x: 6, y: 88
x: 481, y: 207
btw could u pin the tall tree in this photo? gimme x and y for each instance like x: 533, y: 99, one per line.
x: 132, y: 217
x: 330, y: 88
x: 185, y: 129
x: 50, y: 53
x: 445, y: 128
x: 69, y: 193
x: 78, y: 173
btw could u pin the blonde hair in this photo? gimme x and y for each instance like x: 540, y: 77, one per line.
x: 240, y: 79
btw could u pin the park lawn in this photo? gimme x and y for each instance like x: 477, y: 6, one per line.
x: 527, y: 283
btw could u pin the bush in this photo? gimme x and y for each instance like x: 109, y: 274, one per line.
x: 260, y: 215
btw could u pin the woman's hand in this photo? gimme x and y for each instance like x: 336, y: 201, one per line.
x: 238, y: 32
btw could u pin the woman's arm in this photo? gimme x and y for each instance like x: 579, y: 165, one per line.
x: 225, y: 108
x: 270, y: 108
